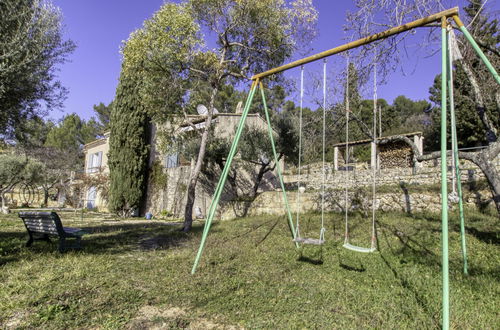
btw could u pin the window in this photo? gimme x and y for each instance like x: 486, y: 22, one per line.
x: 172, y: 160
x: 94, y: 162
x: 91, y: 196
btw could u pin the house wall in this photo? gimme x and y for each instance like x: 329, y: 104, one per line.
x: 227, y: 124
x: 170, y: 196
x: 101, y: 145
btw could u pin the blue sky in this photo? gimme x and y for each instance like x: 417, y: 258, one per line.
x: 98, y: 27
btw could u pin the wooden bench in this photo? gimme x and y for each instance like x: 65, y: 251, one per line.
x: 41, y: 225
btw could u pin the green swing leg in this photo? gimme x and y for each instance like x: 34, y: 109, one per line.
x: 285, y: 198
x: 227, y: 166
x: 223, y: 177
x: 478, y: 50
x: 444, y: 184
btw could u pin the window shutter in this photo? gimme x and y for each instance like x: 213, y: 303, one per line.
x: 89, y: 163
x: 99, y: 159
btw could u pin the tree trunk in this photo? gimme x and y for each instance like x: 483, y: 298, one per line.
x: 45, y: 197
x: 193, y: 178
x: 492, y: 176
x: 491, y: 131
x: 4, y: 208
x: 263, y: 170
x: 484, y: 159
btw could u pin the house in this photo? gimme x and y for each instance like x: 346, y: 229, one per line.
x: 170, y: 197
x: 96, y: 164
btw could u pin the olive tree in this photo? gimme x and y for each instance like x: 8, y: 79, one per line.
x: 31, y: 48
x: 250, y: 36
x: 15, y: 169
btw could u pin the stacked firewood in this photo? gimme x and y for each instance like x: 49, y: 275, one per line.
x: 395, y: 154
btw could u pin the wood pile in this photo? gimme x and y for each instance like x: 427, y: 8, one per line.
x: 395, y: 154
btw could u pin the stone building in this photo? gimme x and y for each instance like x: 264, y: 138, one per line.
x: 168, y: 197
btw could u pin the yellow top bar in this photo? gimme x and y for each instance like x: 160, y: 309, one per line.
x: 458, y: 21
x: 453, y: 12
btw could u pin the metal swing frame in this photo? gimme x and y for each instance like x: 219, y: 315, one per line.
x: 441, y: 17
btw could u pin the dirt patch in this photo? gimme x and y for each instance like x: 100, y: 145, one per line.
x: 155, y: 318
x: 15, y: 321
x: 150, y: 312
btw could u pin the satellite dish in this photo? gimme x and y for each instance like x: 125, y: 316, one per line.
x: 203, y: 111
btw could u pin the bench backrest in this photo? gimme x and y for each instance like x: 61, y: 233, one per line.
x: 42, y: 222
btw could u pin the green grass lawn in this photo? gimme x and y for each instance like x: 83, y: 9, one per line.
x: 135, y: 274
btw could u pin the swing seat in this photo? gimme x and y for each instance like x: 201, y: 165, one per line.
x: 358, y: 248
x: 309, y: 241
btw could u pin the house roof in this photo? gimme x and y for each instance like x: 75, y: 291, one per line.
x: 196, y: 119
x: 97, y: 142
x: 366, y: 141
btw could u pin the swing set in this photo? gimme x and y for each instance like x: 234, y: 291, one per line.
x: 447, y: 56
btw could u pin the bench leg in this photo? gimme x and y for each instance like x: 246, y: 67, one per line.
x: 30, y: 240
x: 78, y: 242
x: 61, y: 244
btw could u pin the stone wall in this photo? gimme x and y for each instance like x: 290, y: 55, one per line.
x: 271, y: 202
x: 170, y: 197
x: 399, y: 189
x: 428, y: 172
x: 411, y: 190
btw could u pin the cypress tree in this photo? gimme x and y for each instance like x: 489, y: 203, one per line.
x: 129, y: 148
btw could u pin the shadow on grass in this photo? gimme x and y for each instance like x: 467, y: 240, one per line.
x: 419, y: 298
x: 309, y: 260
x: 268, y: 232
x: 415, y: 247
x: 253, y: 229
x: 412, y: 246
x: 489, y: 237
x: 116, y: 238
x: 360, y: 269
x: 11, y: 244
x: 103, y: 239
x: 342, y: 264
x: 419, y: 253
